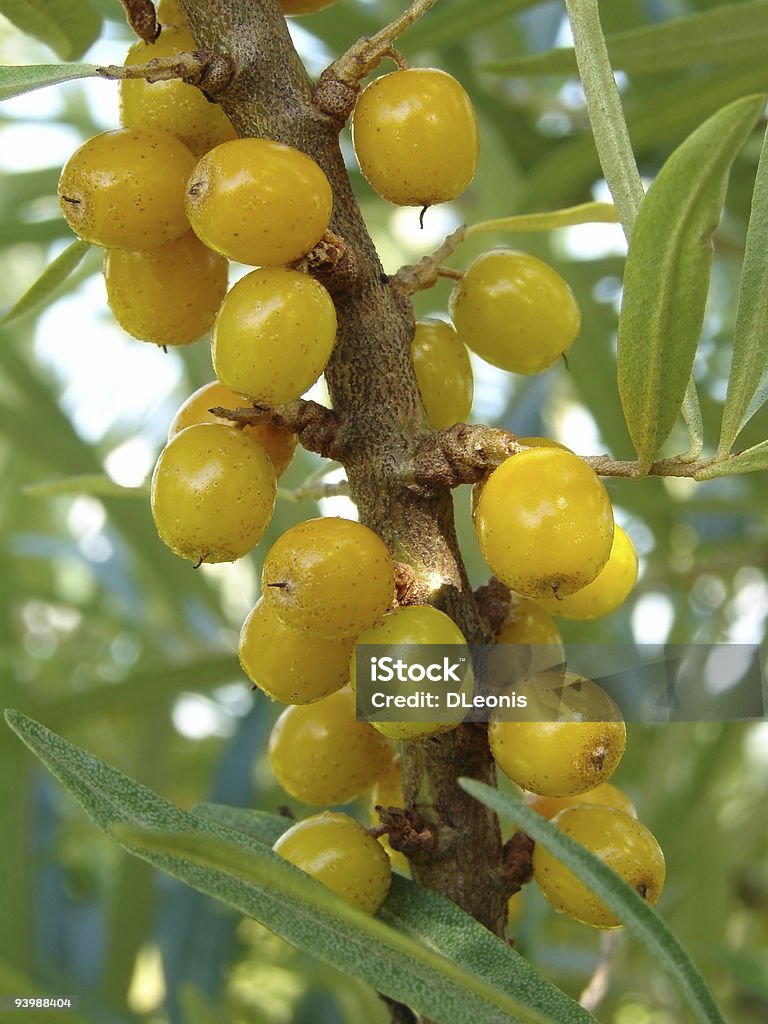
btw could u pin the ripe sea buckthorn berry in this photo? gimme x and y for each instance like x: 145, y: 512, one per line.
x: 169, y: 295
x: 291, y: 8
x: 125, y: 189
x: 568, y: 740
x: 415, y: 136
x: 544, y: 523
x: 542, y: 442
x: 539, y: 640
x: 274, y: 335
x: 605, y: 795
x: 169, y: 13
x: 259, y: 202
x: 328, y: 577
x: 621, y: 842
x: 515, y: 311
x: 213, y: 491
x: 610, y: 588
x: 288, y: 665
x: 417, y: 625
x: 443, y: 373
x: 338, y: 852
x: 321, y: 755
x: 172, y: 106
x: 388, y: 791
x: 278, y: 442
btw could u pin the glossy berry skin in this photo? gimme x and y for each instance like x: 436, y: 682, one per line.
x: 274, y: 335
x: 544, y: 523
x: 610, y: 588
x: 534, y: 634
x: 169, y: 295
x: 567, y: 741
x: 338, y: 852
x: 169, y: 12
x: 259, y: 202
x: 328, y: 577
x: 621, y: 842
x: 292, y: 8
x: 418, y: 624
x: 124, y: 189
x: 443, y: 373
x: 515, y: 311
x: 288, y: 665
x: 321, y: 755
x: 388, y: 791
x: 278, y: 442
x: 605, y: 795
x: 415, y: 136
x: 172, y: 106
x: 213, y: 492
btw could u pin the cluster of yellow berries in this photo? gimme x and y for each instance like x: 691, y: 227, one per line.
x: 173, y: 195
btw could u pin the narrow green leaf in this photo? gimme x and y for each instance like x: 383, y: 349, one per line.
x: 26, y: 77
x: 455, y: 973
x: 691, y: 410
x: 640, y: 918
x: 585, y: 213
x: 730, y: 34
x: 748, y: 461
x: 97, y: 484
x: 266, y: 828
x: 666, y: 279
x: 54, y: 275
x: 606, y: 114
x: 749, y: 367
x: 67, y: 26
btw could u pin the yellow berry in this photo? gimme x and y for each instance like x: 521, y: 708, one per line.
x: 610, y: 588
x: 443, y: 373
x: 515, y: 311
x: 338, y: 852
x: 321, y: 755
x: 568, y: 740
x: 168, y: 295
x: 621, y: 842
x: 274, y: 335
x: 259, y: 202
x: 328, y: 577
x: 544, y: 523
x: 415, y: 136
x: 529, y: 624
x: 542, y: 442
x: 418, y: 625
x: 537, y: 642
x: 170, y: 13
x: 606, y: 795
x: 172, y: 106
x: 213, y: 491
x: 288, y: 665
x: 124, y: 189
x: 278, y: 442
x: 388, y: 791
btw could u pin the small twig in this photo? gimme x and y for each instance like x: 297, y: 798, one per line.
x: 424, y: 274
x: 209, y: 71
x: 315, y: 425
x: 338, y: 86
x: 315, y: 492
x: 140, y: 15
x: 597, y: 987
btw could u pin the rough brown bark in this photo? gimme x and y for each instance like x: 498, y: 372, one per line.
x: 380, y: 423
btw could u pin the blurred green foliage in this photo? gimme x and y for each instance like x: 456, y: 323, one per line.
x: 109, y: 639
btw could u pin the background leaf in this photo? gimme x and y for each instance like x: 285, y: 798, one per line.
x: 49, y: 281
x: 748, y: 461
x: 67, y: 26
x: 641, y: 919
x: 435, y: 958
x: 667, y: 274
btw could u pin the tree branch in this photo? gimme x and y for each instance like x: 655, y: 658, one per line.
x: 211, y: 72
x: 315, y: 426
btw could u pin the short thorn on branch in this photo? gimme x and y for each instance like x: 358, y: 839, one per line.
x: 210, y: 72
x: 315, y: 426
x: 408, y: 832
x: 419, y: 276
x: 338, y: 86
x: 517, y: 861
